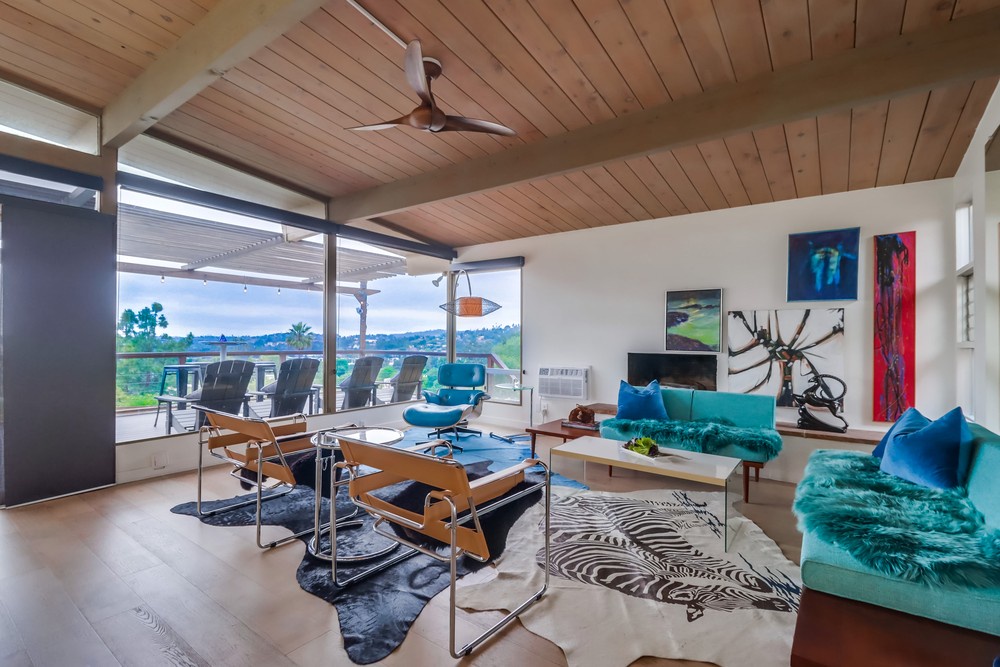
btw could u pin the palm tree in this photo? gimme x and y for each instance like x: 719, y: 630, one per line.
x: 299, y: 337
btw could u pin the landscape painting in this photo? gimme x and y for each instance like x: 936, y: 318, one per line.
x: 694, y: 320
x: 778, y: 352
x: 895, y: 325
x: 823, y: 266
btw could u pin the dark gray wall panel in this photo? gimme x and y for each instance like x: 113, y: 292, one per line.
x: 59, y: 305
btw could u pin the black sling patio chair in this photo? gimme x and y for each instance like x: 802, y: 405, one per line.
x: 409, y: 379
x: 359, y: 388
x: 224, y: 389
x: 294, y: 386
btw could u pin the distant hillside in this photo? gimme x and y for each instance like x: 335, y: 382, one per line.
x: 433, y: 340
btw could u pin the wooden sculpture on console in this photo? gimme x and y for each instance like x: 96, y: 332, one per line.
x: 581, y: 414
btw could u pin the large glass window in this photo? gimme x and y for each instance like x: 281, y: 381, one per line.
x: 196, y: 286
x: 493, y: 340
x: 391, y: 334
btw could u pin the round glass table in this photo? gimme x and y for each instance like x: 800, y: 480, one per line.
x: 329, y: 441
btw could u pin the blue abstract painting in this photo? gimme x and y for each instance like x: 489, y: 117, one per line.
x: 823, y: 266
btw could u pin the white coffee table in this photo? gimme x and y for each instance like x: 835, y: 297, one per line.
x: 710, y: 469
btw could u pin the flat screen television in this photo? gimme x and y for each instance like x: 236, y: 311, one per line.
x: 693, y: 371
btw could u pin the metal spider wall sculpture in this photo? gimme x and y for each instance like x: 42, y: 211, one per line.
x: 782, y: 354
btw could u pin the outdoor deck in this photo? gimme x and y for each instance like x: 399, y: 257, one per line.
x: 132, y: 424
x: 139, y: 425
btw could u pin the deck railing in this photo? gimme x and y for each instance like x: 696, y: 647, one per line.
x: 146, y: 381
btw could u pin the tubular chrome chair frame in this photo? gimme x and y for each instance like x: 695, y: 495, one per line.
x: 264, y: 443
x: 440, y: 505
x: 337, y: 523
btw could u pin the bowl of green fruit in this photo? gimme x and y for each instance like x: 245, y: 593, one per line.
x: 644, y: 446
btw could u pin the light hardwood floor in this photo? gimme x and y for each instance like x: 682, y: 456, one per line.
x: 112, y: 577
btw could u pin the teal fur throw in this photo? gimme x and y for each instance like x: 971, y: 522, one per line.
x: 896, y: 527
x: 700, y: 436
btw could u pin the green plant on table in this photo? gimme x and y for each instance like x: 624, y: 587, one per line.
x: 644, y: 446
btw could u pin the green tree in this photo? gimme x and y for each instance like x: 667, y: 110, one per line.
x: 299, y: 336
x: 138, y: 379
x: 141, y: 326
x: 509, y: 351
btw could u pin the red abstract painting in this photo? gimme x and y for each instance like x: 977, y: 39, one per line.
x: 895, y: 325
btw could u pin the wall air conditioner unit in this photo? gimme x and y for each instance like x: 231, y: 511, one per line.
x: 556, y: 382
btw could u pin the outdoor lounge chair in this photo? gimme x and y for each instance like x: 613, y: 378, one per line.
x: 451, y: 510
x: 293, y: 387
x: 409, y: 379
x: 258, y: 448
x: 359, y: 388
x: 224, y: 389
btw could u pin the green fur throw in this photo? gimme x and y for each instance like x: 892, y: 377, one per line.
x: 901, y: 529
x: 700, y: 436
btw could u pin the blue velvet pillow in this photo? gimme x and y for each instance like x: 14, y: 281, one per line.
x: 935, y: 454
x: 911, y: 420
x: 645, y: 403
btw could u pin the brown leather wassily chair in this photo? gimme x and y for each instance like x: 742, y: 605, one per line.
x: 258, y: 448
x: 451, y: 510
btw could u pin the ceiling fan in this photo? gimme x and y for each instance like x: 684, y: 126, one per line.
x: 420, y: 72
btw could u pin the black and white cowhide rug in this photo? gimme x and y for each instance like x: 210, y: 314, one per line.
x: 376, y: 613
x: 653, y: 563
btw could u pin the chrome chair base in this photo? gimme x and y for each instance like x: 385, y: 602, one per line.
x: 454, y: 552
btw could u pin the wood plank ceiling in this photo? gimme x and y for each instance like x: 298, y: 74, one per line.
x: 542, y: 67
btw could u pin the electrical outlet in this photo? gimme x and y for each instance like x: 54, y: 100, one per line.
x: 545, y: 408
x: 159, y: 461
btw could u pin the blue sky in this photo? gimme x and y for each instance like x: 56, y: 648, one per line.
x: 406, y: 303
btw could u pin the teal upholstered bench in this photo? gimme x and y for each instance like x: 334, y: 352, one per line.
x: 861, y: 606
x: 737, y: 425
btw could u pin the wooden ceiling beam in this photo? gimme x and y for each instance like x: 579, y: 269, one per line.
x: 230, y: 33
x: 961, y: 50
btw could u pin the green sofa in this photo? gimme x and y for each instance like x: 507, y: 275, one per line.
x: 936, y: 601
x: 736, y: 425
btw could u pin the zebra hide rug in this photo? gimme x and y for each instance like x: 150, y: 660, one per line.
x: 645, y: 573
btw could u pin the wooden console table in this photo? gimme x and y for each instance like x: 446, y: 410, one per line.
x: 855, y: 435
x: 557, y: 430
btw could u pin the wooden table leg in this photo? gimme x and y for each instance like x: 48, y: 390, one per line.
x: 533, y: 436
x: 746, y: 482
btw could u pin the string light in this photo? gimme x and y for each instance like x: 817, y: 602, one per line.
x: 279, y: 290
x: 244, y: 288
x: 163, y: 278
x: 204, y: 281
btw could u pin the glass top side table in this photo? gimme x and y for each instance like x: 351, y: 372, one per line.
x: 517, y: 386
x: 330, y: 441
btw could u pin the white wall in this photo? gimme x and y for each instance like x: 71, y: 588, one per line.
x: 592, y: 296
x: 969, y: 184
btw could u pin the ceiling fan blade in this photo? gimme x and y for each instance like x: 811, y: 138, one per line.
x: 405, y: 120
x: 416, y: 76
x: 462, y: 124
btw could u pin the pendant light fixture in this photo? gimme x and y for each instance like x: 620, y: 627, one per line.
x: 469, y: 306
